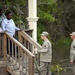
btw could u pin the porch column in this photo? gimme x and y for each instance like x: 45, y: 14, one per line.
x: 32, y: 17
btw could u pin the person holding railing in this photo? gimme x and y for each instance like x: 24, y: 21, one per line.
x: 8, y: 24
x: 45, y: 55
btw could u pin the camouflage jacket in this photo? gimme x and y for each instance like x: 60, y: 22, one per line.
x: 72, y: 49
x: 46, y: 52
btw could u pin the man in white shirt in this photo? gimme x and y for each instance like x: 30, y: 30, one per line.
x: 8, y: 24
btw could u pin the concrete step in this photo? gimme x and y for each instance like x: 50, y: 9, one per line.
x: 3, y: 68
x: 16, y: 72
x: 3, y: 71
x: 12, y: 71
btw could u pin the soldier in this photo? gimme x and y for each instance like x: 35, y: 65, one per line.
x: 45, y: 55
x: 72, y: 51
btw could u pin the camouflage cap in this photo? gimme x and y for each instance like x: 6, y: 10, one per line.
x: 73, y: 33
x: 44, y: 33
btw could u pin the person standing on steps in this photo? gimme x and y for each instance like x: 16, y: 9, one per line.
x: 45, y: 55
x: 8, y: 26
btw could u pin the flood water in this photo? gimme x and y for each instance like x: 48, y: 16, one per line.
x: 61, y: 57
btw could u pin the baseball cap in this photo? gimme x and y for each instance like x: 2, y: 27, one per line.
x: 44, y: 33
x: 73, y: 33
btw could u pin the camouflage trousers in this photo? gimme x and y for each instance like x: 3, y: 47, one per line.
x: 45, y: 68
x: 74, y: 68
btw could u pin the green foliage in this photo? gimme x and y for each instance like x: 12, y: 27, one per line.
x: 46, y: 16
x: 57, y: 16
x: 62, y: 42
x: 46, y: 2
x: 40, y: 29
x: 46, y: 8
x: 57, y: 69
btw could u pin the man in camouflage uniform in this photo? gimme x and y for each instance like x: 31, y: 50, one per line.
x: 72, y: 51
x: 45, y: 55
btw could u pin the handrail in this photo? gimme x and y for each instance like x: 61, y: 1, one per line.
x: 30, y: 44
x: 23, y: 51
x: 20, y: 54
x: 20, y: 45
x: 29, y: 39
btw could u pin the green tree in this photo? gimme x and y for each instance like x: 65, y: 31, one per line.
x: 17, y: 7
x: 46, y: 10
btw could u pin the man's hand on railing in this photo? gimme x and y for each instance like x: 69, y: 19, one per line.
x: 35, y: 50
